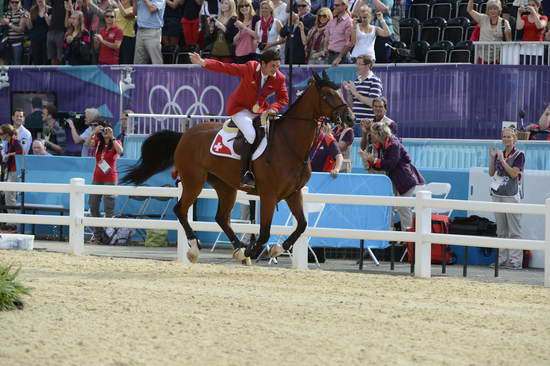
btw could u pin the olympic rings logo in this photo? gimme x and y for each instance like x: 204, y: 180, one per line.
x: 198, y: 107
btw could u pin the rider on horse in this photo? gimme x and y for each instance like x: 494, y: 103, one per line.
x: 258, y: 81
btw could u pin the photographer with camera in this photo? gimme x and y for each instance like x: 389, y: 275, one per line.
x: 90, y: 115
x: 268, y: 28
x: 55, y: 137
x: 363, y: 34
x: 107, y: 151
x: 532, y: 23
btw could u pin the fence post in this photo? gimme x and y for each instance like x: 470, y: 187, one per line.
x: 76, y: 213
x: 299, y: 252
x: 423, y: 249
x: 547, y: 246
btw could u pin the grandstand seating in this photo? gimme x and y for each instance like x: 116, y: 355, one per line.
x: 409, y: 29
x: 455, y: 31
x: 445, y: 9
x: 438, y: 52
x: 432, y: 30
x: 462, y: 52
x: 420, y: 9
x: 420, y: 49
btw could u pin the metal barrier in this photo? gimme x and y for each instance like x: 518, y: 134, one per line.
x: 423, y: 204
x: 512, y: 53
x: 146, y: 124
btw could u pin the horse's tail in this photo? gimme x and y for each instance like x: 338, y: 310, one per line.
x: 157, y: 154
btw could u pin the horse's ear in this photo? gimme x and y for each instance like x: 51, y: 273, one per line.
x: 316, y: 76
x: 325, y: 76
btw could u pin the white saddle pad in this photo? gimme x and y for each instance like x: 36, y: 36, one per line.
x: 223, y: 145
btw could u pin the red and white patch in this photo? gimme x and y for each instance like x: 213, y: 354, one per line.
x: 223, y: 146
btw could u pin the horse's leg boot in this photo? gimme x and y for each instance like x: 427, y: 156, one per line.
x: 247, y: 177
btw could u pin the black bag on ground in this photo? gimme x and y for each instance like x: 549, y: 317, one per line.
x: 473, y: 225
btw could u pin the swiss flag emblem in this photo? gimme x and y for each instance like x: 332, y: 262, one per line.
x: 219, y: 147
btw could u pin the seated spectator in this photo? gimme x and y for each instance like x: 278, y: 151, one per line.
x: 268, y: 29
x: 222, y: 31
x: 38, y: 33
x: 23, y: 135
x: 363, y: 34
x: 533, y: 24
x: 315, y: 40
x: 34, y: 122
x: 17, y: 20
x: 38, y: 148
x: 8, y: 134
x: 172, y: 29
x: 395, y: 161
x: 245, y: 39
x: 108, y: 40
x: 77, y: 41
x: 338, y: 35
x: 54, y: 135
x: 325, y: 155
x: 126, y: 20
x: 492, y: 28
x: 91, y: 116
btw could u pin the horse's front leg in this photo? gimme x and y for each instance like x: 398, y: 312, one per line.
x: 253, y: 250
x: 296, y: 206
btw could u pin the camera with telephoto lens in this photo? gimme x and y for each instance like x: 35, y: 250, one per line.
x: 77, y: 118
x: 261, y: 46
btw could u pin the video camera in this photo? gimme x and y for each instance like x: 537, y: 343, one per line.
x: 77, y: 118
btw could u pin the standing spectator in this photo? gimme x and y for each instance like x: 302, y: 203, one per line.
x: 492, y: 28
x: 18, y: 21
x: 108, y: 40
x: 385, y: 7
x: 123, y: 126
x: 56, y: 31
x: 325, y: 155
x: 126, y: 20
x: 395, y: 161
x: 150, y: 15
x: 296, y: 33
x: 107, y: 152
x: 54, y: 135
x: 304, y: 12
x: 533, y: 24
x: 23, y: 135
x: 222, y: 31
x: 316, y: 5
x: 315, y: 40
x: 77, y: 49
x: 379, y: 107
x: 8, y: 134
x: 338, y: 34
x: 362, y: 91
x: 38, y: 33
x: 38, y: 148
x: 34, y: 122
x: 171, y: 30
x: 363, y: 34
x: 506, y: 170
x: 344, y: 138
x: 279, y: 10
x: 91, y: 118
x: 268, y: 28
x: 246, y: 39
x: 190, y: 23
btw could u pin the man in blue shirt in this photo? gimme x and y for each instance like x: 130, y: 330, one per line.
x: 150, y: 19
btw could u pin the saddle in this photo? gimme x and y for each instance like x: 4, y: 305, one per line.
x: 259, y: 123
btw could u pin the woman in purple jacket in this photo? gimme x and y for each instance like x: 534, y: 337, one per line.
x: 395, y: 161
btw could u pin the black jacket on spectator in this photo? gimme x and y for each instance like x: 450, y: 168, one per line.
x: 78, y: 51
x: 298, y: 48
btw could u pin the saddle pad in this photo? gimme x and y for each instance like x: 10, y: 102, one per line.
x: 223, y: 145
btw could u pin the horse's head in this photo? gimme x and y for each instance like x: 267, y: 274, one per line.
x: 333, y: 104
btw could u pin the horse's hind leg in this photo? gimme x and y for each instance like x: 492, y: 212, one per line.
x: 190, y: 191
x: 296, y: 205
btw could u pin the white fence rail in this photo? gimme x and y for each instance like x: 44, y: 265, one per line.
x: 512, y: 53
x: 146, y: 124
x: 423, y: 204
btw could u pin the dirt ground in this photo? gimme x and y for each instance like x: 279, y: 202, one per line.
x: 88, y: 310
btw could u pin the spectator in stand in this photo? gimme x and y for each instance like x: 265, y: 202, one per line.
x: 108, y: 40
x: 77, y: 49
x: 363, y: 91
x: 171, y: 30
x: 344, y: 138
x: 543, y: 123
x: 338, y: 35
x: 56, y: 31
x: 492, y: 28
x: 315, y: 40
x: 123, y: 126
x: 9, y: 135
x: 506, y: 170
x: 268, y: 29
x: 396, y: 13
x: 222, y: 31
x: 302, y: 22
x: 17, y: 21
x: 325, y: 155
x: 533, y: 24
x: 91, y: 116
x: 34, y: 122
x: 23, y: 135
x: 107, y: 151
x: 54, y: 135
x: 316, y: 5
x: 38, y: 33
x: 279, y: 11
x: 395, y: 161
x: 190, y: 23
x: 363, y: 34
x: 150, y: 14
x: 246, y: 39
x: 126, y: 20
x: 385, y: 7
x: 38, y: 148
x: 304, y: 12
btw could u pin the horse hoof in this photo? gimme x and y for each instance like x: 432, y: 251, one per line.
x: 193, y: 252
x: 246, y: 261
x: 275, y: 251
x: 238, y: 254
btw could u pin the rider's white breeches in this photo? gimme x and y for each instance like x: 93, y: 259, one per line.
x: 243, y: 120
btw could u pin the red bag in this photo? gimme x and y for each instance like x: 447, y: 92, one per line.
x: 475, y: 34
x: 440, y: 225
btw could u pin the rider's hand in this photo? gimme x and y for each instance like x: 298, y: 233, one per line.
x: 334, y: 172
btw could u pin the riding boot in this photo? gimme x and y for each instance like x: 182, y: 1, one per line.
x: 247, y: 177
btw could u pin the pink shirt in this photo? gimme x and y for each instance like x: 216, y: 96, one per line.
x: 338, y: 33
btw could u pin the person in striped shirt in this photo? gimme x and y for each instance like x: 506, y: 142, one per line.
x: 363, y: 91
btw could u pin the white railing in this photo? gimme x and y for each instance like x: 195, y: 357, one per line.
x: 146, y: 124
x: 423, y: 204
x: 512, y: 53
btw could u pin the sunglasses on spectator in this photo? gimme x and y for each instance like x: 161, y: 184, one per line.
x: 14, y: 2
x: 109, y: 16
x: 322, y: 16
x: 301, y: 5
x: 244, y: 6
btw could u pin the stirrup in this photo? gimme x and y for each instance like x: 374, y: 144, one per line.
x: 248, y: 180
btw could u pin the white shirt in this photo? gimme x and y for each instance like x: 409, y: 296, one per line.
x: 86, y: 149
x: 25, y: 139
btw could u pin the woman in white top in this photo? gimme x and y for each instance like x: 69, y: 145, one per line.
x: 268, y: 28
x: 279, y: 10
x: 363, y: 34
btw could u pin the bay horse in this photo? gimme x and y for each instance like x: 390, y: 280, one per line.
x: 281, y: 171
